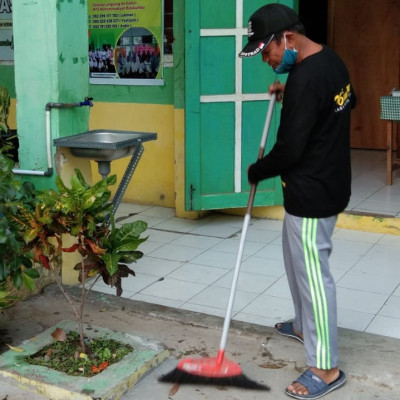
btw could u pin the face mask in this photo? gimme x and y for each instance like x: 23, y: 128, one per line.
x: 288, y: 61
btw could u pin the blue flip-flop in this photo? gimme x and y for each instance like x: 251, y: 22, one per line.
x: 286, y: 329
x: 316, y: 387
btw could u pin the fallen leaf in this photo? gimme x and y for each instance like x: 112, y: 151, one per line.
x: 100, y: 368
x: 17, y: 349
x: 103, y: 309
x: 174, y: 389
x: 59, y: 335
x: 273, y: 366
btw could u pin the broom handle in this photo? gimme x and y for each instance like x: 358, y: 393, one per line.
x: 246, y: 223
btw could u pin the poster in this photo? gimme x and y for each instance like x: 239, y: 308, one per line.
x: 125, y: 41
x: 6, y: 31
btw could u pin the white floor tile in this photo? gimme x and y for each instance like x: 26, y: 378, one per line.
x: 157, y: 300
x: 357, y: 236
x: 135, y: 284
x: 262, y: 235
x: 160, y: 212
x: 263, y: 266
x: 200, y: 242
x: 342, y: 261
x: 218, y: 312
x: 179, y: 225
x: 276, y: 308
x: 218, y: 297
x: 391, y: 308
x: 156, y: 235
x: 216, y: 230
x: 176, y: 253
x: 367, y: 282
x: 232, y: 246
x: 385, y: 266
x: 390, y: 240
x: 387, y: 253
x: 385, y: 326
x: 279, y: 289
x: 271, y: 251
x: 268, y: 225
x: 173, y: 289
x: 357, y: 300
x: 216, y: 259
x: 155, y: 266
x: 229, y: 220
x: 337, y: 273
x: 148, y: 246
x: 151, y: 221
x: 247, y: 282
x: 198, y: 273
x: 354, y: 320
x: 350, y: 248
x: 125, y: 209
x: 379, y: 207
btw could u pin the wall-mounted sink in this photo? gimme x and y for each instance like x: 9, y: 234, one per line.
x: 104, y: 145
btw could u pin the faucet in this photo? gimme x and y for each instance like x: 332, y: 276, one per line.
x: 86, y: 102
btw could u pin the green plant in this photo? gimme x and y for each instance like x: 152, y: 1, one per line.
x: 16, y: 266
x: 81, y: 211
x: 5, y: 298
x: 4, y: 108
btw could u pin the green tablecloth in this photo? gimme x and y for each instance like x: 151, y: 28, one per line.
x: 390, y: 108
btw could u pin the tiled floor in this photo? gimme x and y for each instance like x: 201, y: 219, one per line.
x: 371, y: 195
x: 189, y: 264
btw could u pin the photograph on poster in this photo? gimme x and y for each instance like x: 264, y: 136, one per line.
x: 137, y: 54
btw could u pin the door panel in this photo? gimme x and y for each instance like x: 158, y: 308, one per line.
x: 369, y: 46
x: 226, y: 105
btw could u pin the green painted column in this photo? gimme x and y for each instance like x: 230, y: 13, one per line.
x: 51, y: 65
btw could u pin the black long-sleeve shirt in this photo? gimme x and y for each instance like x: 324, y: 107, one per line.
x: 312, y: 151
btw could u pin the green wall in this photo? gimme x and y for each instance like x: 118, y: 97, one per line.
x: 136, y: 94
x: 60, y: 74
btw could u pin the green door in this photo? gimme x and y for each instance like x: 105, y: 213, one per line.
x: 226, y: 106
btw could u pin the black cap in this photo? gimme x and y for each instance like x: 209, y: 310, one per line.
x: 264, y: 23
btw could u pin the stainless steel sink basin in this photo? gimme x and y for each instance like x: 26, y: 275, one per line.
x: 104, y: 145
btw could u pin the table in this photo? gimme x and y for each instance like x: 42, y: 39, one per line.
x: 390, y: 111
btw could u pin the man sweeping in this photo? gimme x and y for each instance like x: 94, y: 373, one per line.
x: 312, y: 156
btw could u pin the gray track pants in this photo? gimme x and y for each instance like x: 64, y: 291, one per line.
x: 307, y: 245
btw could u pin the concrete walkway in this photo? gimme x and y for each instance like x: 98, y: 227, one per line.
x: 370, y: 361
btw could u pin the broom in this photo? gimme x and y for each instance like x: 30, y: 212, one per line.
x: 218, y: 370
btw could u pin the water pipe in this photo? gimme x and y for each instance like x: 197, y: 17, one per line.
x: 49, y: 106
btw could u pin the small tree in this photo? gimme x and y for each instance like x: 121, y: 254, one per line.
x: 81, y: 211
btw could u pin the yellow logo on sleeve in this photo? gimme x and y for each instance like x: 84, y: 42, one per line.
x: 343, y: 98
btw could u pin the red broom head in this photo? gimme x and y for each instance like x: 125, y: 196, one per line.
x: 210, y: 367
